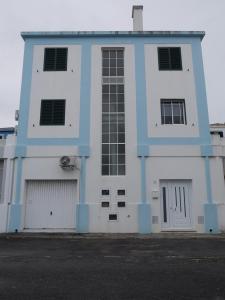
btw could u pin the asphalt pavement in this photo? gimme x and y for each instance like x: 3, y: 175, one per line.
x: 112, y: 267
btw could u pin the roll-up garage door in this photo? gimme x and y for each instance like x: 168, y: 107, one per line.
x: 50, y: 204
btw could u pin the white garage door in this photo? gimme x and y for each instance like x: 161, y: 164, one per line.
x: 50, y: 204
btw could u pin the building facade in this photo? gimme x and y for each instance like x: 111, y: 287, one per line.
x: 114, y: 135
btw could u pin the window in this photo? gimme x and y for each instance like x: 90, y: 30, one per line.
x: 113, y: 113
x: 173, y: 111
x: 52, y: 112
x: 105, y: 192
x: 112, y: 217
x: 169, y: 58
x: 121, y: 204
x: 105, y: 204
x: 121, y: 192
x: 55, y: 59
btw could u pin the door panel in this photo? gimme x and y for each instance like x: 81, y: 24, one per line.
x: 50, y: 204
x: 175, y: 204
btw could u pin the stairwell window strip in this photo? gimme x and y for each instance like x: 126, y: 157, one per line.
x: 113, y: 112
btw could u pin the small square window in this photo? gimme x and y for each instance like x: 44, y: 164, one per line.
x: 105, y: 192
x: 173, y: 111
x: 52, y: 112
x: 169, y: 58
x: 55, y: 59
x: 121, y: 192
x: 112, y: 217
x: 121, y: 204
x: 105, y: 204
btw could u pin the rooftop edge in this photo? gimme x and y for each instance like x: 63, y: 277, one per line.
x: 51, y: 34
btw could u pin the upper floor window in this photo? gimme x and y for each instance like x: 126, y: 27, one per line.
x: 169, y: 58
x: 173, y: 111
x: 55, y: 59
x: 113, y: 62
x: 52, y: 112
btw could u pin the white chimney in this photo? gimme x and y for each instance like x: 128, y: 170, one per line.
x: 137, y: 17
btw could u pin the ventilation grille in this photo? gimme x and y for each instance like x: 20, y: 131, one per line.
x: 155, y: 220
x: 200, y: 219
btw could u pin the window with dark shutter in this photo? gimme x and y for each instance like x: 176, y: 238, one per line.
x: 52, y: 112
x: 169, y: 58
x: 55, y: 59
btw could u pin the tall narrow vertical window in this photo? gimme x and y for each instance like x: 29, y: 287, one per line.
x: 113, y: 112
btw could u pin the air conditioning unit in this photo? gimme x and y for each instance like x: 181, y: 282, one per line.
x: 69, y: 163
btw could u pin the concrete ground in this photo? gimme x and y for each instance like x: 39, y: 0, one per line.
x: 112, y: 267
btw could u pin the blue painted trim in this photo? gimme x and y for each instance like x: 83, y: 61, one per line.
x: 206, y: 150
x: 211, y: 218
x: 203, y: 117
x: 82, y: 180
x: 144, y: 218
x: 82, y: 218
x: 85, y: 96
x: 143, y: 150
x: 15, y: 218
x: 25, y: 93
x: 15, y: 210
x: 208, y: 180
x: 143, y: 181
x: 141, y: 102
x: 20, y: 151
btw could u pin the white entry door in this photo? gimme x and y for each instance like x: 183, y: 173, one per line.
x: 50, y: 204
x: 175, y: 204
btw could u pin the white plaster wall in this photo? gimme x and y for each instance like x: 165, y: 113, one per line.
x: 52, y: 151
x: 177, y: 168
x: 55, y: 85
x: 221, y: 216
x: 95, y: 181
x: 170, y: 85
x: 217, y: 180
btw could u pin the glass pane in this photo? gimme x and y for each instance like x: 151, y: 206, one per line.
x: 112, y: 88
x: 113, y: 72
x: 121, y: 127
x: 120, y: 72
x: 168, y: 120
x: 105, y: 138
x: 120, y: 63
x: 113, y: 118
x: 113, y: 148
x: 113, y: 169
x: 167, y: 109
x: 105, y: 88
x: 121, y: 159
x: 105, y: 71
x: 121, y: 118
x: 105, y: 149
x: 105, y: 98
x: 105, y: 170
x: 112, y: 63
x: 112, y: 53
x: 105, y: 107
x: 105, y: 118
x: 121, y: 138
x: 120, y: 107
x: 113, y: 127
x: 113, y: 98
x: 113, y: 138
x: 120, y: 88
x: 105, y: 54
x: 121, y: 98
x: 121, y: 149
x: 119, y: 53
x: 121, y: 169
x: 105, y: 127
x: 113, y: 107
x: 113, y: 159
x: 105, y: 63
x: 105, y: 159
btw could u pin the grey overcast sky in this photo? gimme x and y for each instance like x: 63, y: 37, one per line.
x: 62, y: 15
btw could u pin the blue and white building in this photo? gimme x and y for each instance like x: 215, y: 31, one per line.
x: 113, y: 135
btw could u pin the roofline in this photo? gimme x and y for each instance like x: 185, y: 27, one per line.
x: 71, y: 34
